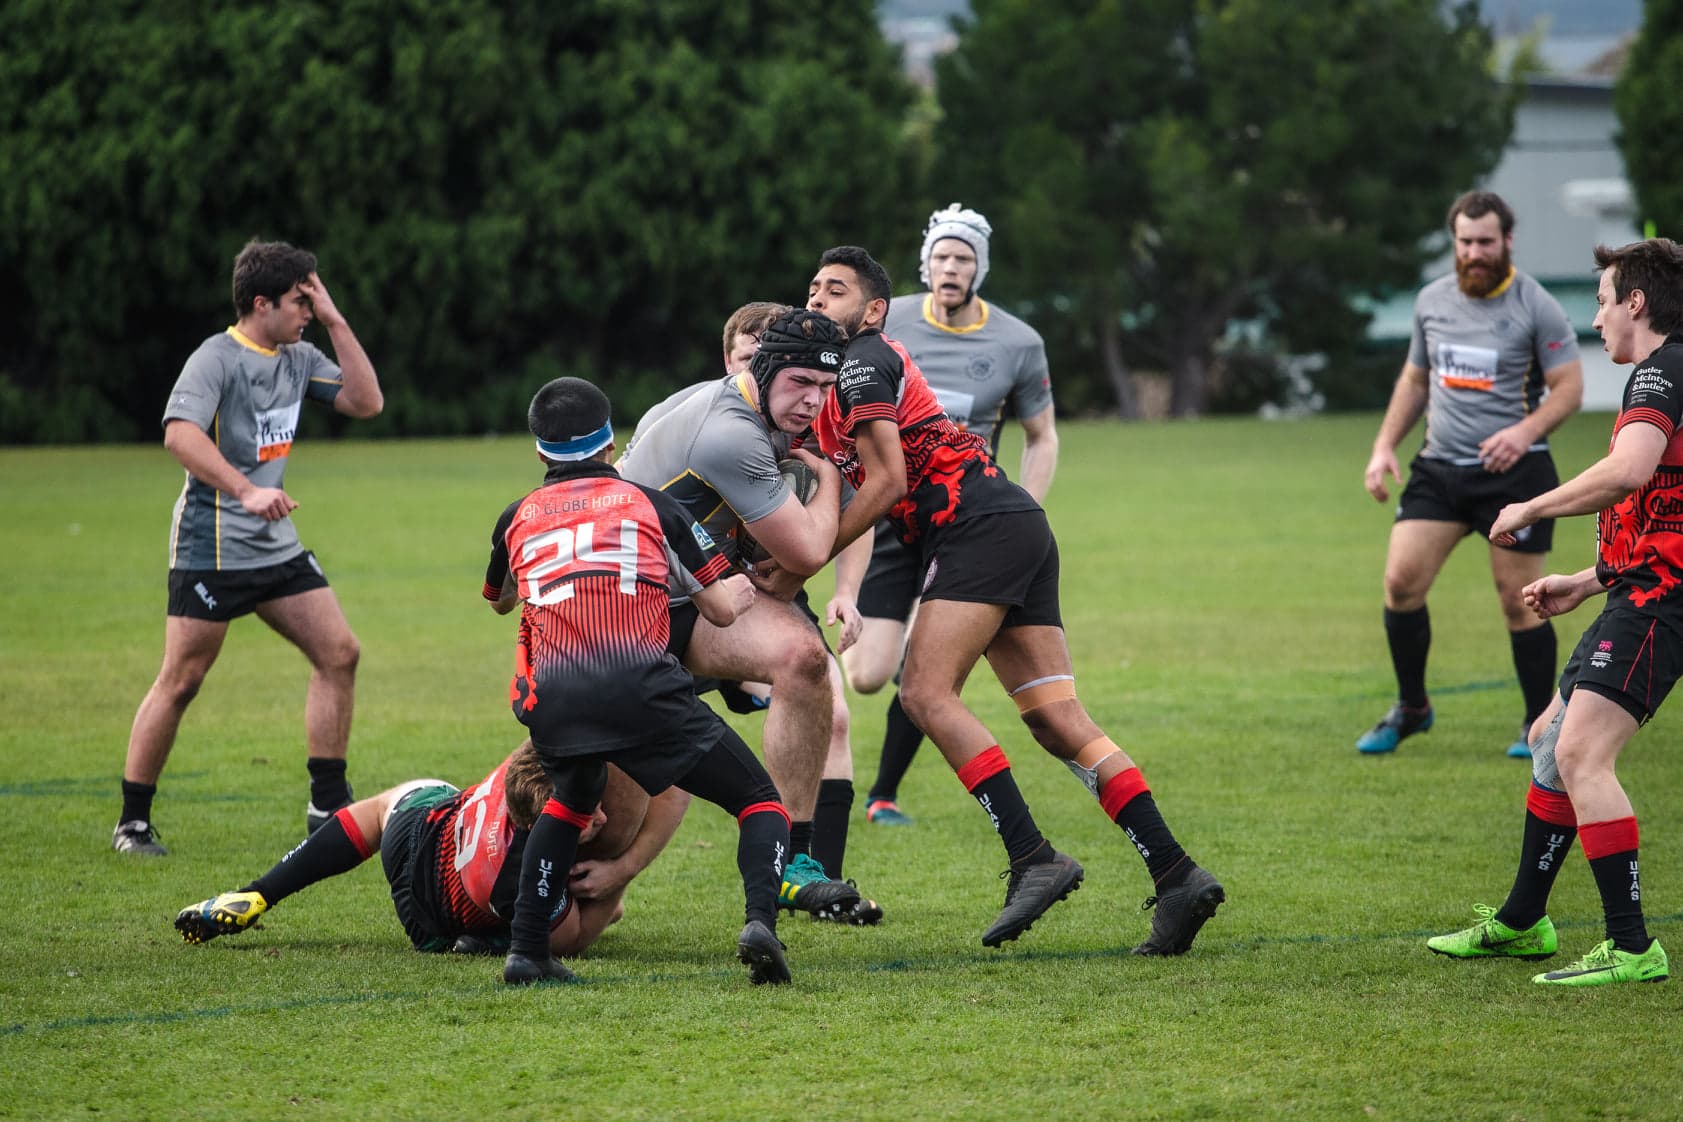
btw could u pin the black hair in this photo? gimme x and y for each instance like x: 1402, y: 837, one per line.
x: 873, y: 278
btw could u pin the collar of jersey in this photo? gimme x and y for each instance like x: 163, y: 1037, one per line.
x: 239, y: 337
x: 1503, y: 287
x: 744, y: 382
x: 929, y: 317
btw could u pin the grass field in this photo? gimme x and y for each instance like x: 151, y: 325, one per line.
x: 1221, y: 593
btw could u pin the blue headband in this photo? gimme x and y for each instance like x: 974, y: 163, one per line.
x: 580, y: 447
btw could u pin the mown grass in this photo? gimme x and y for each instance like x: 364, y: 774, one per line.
x: 1221, y: 596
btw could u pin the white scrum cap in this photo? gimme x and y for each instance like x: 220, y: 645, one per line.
x: 967, y: 226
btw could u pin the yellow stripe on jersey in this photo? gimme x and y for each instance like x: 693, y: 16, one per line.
x: 929, y: 317
x: 1503, y: 287
x: 239, y: 337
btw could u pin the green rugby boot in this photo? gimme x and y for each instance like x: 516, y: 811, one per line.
x: 1607, y: 964
x: 1491, y: 938
x: 807, y: 887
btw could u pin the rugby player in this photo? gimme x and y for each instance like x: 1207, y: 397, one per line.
x: 1487, y: 342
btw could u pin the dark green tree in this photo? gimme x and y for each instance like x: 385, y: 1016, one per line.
x: 1648, y: 99
x: 1160, y: 168
x: 499, y: 191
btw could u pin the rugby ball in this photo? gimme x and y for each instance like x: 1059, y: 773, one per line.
x: 801, y: 480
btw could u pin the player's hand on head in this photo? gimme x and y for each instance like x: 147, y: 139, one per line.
x: 1379, y: 466
x: 268, y: 503
x: 321, y: 302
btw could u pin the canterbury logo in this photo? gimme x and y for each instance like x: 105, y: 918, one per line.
x: 830, y: 358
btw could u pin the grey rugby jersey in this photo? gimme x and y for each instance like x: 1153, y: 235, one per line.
x: 708, y: 446
x: 247, y: 399
x: 975, y: 370
x: 1485, y: 359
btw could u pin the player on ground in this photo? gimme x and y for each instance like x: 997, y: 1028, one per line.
x: 591, y: 558
x: 715, y: 448
x: 989, y: 589
x: 1487, y: 341
x: 978, y: 359
x: 233, y: 550
x: 452, y: 858
x: 1628, y: 659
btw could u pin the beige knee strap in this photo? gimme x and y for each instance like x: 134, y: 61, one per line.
x: 1043, y: 691
x: 1085, y: 766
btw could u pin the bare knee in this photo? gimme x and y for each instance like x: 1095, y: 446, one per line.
x: 805, y: 664
x: 921, y: 702
x: 1405, y: 590
x: 865, y: 673
x: 340, y: 658
x: 1573, y: 763
x: 178, y: 687
x: 1062, y: 728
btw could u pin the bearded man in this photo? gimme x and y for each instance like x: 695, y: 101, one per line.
x: 1488, y: 342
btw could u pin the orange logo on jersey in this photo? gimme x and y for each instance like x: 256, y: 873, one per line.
x: 273, y: 451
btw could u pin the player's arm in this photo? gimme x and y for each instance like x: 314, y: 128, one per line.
x: 843, y: 608
x: 197, y: 452
x: 1040, y: 454
x: 359, y: 392
x: 799, y: 537
x: 595, y: 880
x: 1408, y: 402
x: 719, y: 597
x: 1501, y: 450
x: 883, y: 463
x: 501, y: 590
x: 1555, y: 595
x: 1635, y: 454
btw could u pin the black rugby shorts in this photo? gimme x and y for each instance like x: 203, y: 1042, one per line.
x: 1438, y: 491
x: 1009, y: 558
x: 220, y: 595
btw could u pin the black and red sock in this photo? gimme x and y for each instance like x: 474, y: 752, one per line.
x: 1611, y: 848
x: 337, y: 847
x: 1128, y: 802
x: 762, y: 850
x: 550, y: 849
x: 988, y: 778
x: 1550, y: 826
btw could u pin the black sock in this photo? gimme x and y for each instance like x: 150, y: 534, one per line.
x: 137, y: 801
x: 829, y: 824
x: 1618, y: 878
x: 762, y: 849
x: 1534, y: 662
x: 1410, y: 637
x: 1143, y: 823
x: 1541, y: 853
x: 800, y: 837
x: 328, y: 789
x: 544, y: 868
x: 900, y: 741
x: 326, y: 853
x: 988, y: 778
